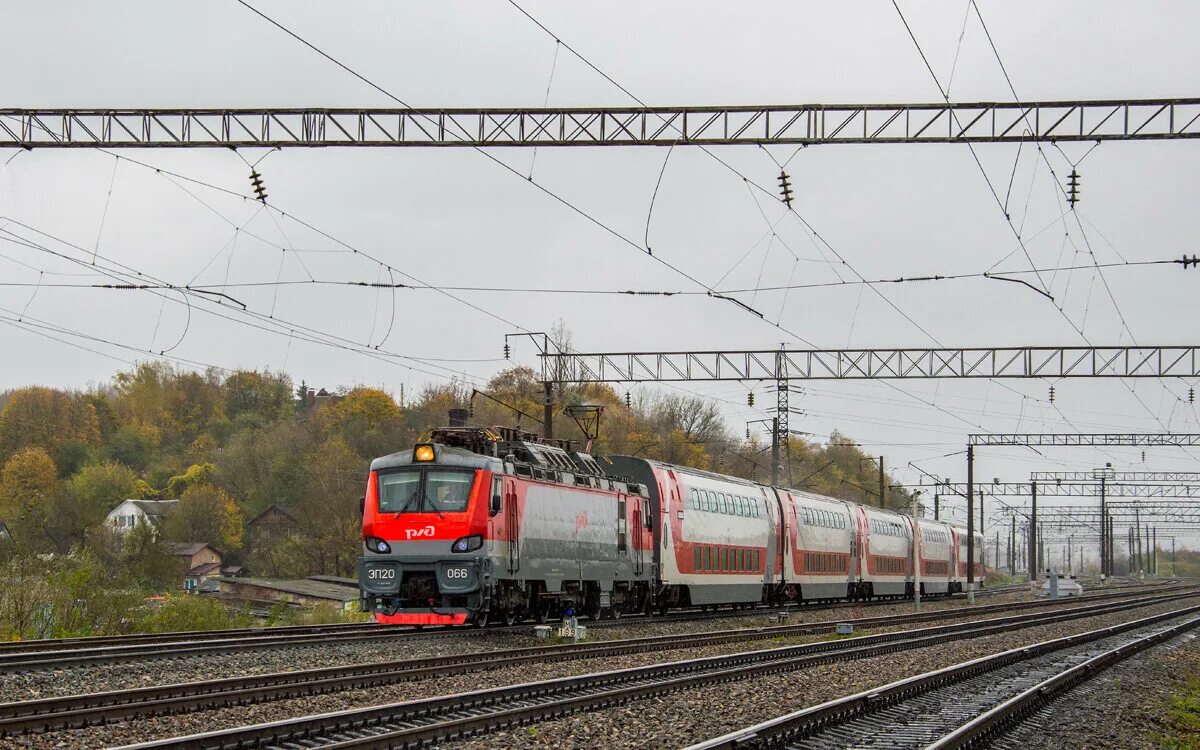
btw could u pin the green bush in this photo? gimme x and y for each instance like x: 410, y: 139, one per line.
x: 193, y: 612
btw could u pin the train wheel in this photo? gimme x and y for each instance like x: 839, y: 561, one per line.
x: 482, y: 618
x: 615, y: 613
x: 510, y: 617
x: 594, y: 610
x: 541, y: 613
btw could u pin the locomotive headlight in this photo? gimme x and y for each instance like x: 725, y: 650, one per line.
x: 423, y: 453
x: 375, y: 544
x: 467, y: 543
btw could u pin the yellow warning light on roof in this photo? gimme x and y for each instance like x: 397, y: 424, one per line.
x: 423, y: 453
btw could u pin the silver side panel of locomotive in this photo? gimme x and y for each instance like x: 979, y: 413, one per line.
x: 567, y: 534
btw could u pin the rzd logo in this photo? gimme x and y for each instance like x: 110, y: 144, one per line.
x: 417, y: 533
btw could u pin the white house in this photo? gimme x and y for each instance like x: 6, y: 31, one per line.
x: 132, y: 512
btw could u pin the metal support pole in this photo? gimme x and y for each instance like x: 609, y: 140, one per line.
x: 1103, y: 515
x: 882, y: 486
x: 971, y: 523
x: 1172, y: 557
x: 548, y: 411
x: 1032, y: 548
x: 1012, y: 538
x: 775, y: 451
x: 1112, y: 546
x: 937, y: 509
x: 1154, y: 560
x: 1042, y: 550
x: 1137, y: 538
x: 916, y: 550
x: 1146, y: 550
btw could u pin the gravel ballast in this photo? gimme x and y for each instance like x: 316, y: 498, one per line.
x: 659, y: 720
x: 134, y: 673
x: 686, y: 717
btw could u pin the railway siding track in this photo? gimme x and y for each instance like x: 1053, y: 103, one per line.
x: 960, y: 705
x: 65, y: 712
x: 414, y: 723
x: 16, y: 659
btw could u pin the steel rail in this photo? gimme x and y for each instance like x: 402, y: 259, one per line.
x: 800, y: 724
x: 420, y: 722
x: 42, y: 654
x: 46, y: 714
x: 1013, y: 710
x: 177, y: 636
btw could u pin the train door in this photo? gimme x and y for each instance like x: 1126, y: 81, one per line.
x: 860, y: 547
x: 622, y: 527
x: 512, y: 520
x: 640, y: 510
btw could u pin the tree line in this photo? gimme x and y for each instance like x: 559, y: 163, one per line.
x: 228, y: 446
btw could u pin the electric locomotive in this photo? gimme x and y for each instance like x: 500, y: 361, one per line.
x: 480, y: 524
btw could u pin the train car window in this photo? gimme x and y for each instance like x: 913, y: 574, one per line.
x: 497, y: 497
x: 696, y: 554
x: 756, y: 560
x: 742, y: 559
x: 399, y: 492
x: 692, y: 499
x: 706, y: 500
x: 708, y: 558
x: 735, y: 503
x: 743, y: 506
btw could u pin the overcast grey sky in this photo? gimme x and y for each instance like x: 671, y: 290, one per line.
x: 452, y: 217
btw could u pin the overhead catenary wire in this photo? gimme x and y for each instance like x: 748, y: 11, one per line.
x: 126, y: 274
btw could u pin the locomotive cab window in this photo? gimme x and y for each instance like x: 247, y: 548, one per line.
x: 398, y: 492
x: 425, y: 491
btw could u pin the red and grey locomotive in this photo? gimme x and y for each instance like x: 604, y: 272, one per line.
x: 476, y: 525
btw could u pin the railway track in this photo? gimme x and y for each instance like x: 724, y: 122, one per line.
x: 48, y: 714
x: 68, y: 653
x: 962, y: 705
x: 418, y: 722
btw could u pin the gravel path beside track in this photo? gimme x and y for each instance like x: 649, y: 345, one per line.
x: 681, y: 719
x: 585, y: 728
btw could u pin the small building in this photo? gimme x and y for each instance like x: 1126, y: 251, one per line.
x: 302, y: 591
x: 273, y: 524
x: 130, y: 513
x: 201, y: 563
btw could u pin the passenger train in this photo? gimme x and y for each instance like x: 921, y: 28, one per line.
x: 478, y: 525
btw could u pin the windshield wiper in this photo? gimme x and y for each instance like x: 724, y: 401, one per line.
x: 407, y: 503
x: 437, y: 510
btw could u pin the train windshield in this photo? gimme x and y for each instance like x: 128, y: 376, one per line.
x: 425, y: 491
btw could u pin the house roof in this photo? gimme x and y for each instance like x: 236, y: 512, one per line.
x: 302, y: 587
x: 187, y: 549
x: 203, y: 570
x: 155, y: 507
x: 286, y: 510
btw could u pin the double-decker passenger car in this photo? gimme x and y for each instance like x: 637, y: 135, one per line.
x: 478, y: 524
